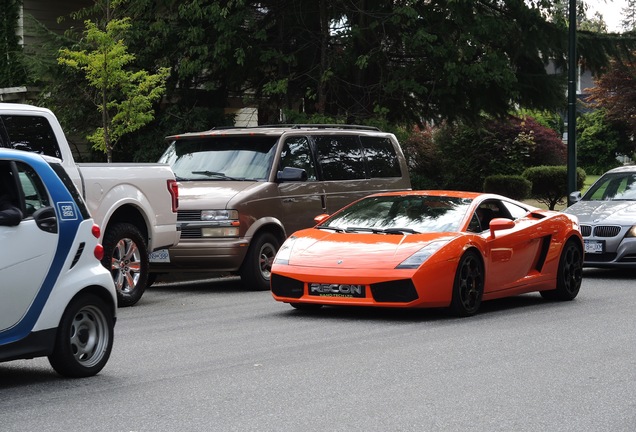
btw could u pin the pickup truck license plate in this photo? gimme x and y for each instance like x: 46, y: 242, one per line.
x: 159, y: 256
x: 594, y: 246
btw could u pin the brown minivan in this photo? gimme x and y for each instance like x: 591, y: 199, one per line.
x: 242, y: 191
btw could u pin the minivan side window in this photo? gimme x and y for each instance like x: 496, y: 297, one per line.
x: 381, y: 158
x: 340, y: 157
x: 296, y: 154
x: 31, y: 133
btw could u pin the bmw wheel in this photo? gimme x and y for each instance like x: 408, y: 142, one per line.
x: 468, y: 287
x: 84, y: 338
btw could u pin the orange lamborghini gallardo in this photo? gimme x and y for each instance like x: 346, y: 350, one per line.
x: 430, y: 249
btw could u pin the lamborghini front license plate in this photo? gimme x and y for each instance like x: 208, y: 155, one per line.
x: 336, y: 290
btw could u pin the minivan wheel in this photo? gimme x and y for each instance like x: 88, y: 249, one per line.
x: 256, y: 270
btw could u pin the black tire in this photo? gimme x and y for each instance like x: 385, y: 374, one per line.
x: 126, y: 257
x: 84, y: 338
x: 569, y: 274
x: 256, y: 270
x: 306, y: 306
x: 468, y: 287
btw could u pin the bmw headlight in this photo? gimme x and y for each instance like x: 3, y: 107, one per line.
x: 284, y: 253
x: 631, y: 232
x: 418, y: 258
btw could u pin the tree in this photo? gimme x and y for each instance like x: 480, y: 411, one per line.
x: 11, y: 71
x: 599, y: 143
x: 628, y: 23
x: 615, y: 91
x: 123, y: 97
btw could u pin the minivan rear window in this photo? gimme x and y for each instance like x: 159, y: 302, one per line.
x: 221, y: 158
x: 340, y: 157
x: 381, y: 158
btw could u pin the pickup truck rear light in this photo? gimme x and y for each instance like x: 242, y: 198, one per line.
x: 173, y: 188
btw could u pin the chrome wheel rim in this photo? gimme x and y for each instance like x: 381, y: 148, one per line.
x: 126, y: 265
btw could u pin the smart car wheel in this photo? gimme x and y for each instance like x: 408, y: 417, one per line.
x: 569, y: 274
x: 257, y: 267
x: 126, y: 256
x: 84, y: 339
x: 468, y: 287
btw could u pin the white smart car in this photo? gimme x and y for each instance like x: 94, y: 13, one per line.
x: 56, y: 299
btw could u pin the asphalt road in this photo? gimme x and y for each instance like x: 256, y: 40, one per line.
x: 207, y: 356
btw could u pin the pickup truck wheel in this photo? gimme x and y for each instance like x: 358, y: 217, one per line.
x: 257, y: 267
x: 84, y: 338
x: 126, y: 256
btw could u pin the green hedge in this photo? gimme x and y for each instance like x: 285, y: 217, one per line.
x: 550, y: 183
x: 513, y: 186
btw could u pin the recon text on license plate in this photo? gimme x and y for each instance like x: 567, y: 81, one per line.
x: 336, y: 290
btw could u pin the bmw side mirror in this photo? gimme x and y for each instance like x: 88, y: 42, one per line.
x: 574, y: 198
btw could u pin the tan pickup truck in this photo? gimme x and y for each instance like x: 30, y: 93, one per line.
x: 134, y: 204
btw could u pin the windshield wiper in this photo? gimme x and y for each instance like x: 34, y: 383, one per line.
x: 329, y: 228
x: 399, y: 231
x: 363, y: 229
x: 215, y: 174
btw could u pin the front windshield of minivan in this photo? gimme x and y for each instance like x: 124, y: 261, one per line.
x: 222, y: 158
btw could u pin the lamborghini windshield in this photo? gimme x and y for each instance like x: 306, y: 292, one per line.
x: 401, y: 214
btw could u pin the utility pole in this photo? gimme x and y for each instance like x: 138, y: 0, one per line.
x: 572, y: 74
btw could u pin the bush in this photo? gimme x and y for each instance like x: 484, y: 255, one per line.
x: 598, y: 143
x: 513, y: 186
x: 550, y: 183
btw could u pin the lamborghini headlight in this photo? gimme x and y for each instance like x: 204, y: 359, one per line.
x: 284, y: 253
x: 418, y: 258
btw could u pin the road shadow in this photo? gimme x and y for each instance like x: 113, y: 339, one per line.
x: 197, y: 283
x: 509, y: 305
x: 19, y: 374
x: 600, y: 273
